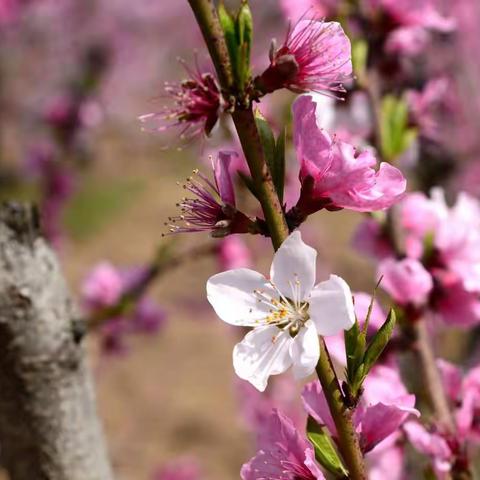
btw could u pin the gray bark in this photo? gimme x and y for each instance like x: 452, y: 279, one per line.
x: 49, y: 429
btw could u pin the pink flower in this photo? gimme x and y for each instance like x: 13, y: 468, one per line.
x: 285, y: 454
x: 457, y: 238
x: 409, y: 41
x: 455, y: 233
x: 57, y: 184
x: 181, y: 469
x: 197, y: 103
x: 371, y: 240
x: 102, y: 287
x: 429, y: 104
x: 256, y: 407
x: 412, y: 21
x: 419, y: 217
x: 422, y: 13
x: 385, y: 407
x: 234, y: 253
x: 407, y: 281
x: 433, y: 445
x: 295, y: 9
x: 314, y: 57
x: 213, y: 210
x: 454, y: 305
x: 386, y: 462
x: 464, y: 394
x: 333, y: 175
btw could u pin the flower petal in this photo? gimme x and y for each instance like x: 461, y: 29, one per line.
x: 316, y: 405
x: 305, y: 351
x: 380, y: 421
x: 294, y: 261
x: 331, y: 306
x: 223, y: 179
x: 263, y: 352
x: 232, y: 296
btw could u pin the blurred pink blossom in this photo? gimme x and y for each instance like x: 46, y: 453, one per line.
x: 234, y: 253
x: 407, y: 281
x: 413, y: 21
x: 180, y: 469
x: 433, y: 445
x: 428, y: 105
x: 370, y: 239
x: 295, y: 9
x: 104, y: 287
x: 464, y: 394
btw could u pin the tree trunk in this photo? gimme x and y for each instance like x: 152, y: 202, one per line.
x: 49, y: 427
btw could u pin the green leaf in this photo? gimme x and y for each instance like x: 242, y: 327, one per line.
x: 244, y: 31
x: 97, y: 203
x: 359, y: 57
x: 325, y: 451
x: 229, y: 30
x: 275, y: 157
x: 396, y: 134
x: 379, y: 341
x: 351, y: 338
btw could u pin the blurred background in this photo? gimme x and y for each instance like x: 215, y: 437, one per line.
x: 74, y: 78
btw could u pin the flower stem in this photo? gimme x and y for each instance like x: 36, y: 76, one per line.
x: 244, y: 120
x: 207, y: 19
x: 432, y: 380
x: 342, y: 416
x: 253, y: 150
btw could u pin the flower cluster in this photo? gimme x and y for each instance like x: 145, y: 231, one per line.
x: 447, y: 450
x: 440, y: 265
x: 284, y: 452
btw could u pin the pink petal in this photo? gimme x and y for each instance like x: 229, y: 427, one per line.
x: 223, y: 179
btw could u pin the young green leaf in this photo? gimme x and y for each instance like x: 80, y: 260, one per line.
x: 244, y: 32
x: 274, y: 155
x: 379, y: 341
x: 351, y: 338
x: 396, y: 135
x: 229, y: 31
x: 325, y: 452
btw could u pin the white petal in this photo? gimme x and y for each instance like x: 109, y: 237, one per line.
x: 294, y: 260
x: 331, y: 306
x: 305, y: 351
x: 263, y: 352
x: 232, y: 296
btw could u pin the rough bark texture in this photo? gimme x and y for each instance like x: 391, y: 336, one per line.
x: 49, y: 427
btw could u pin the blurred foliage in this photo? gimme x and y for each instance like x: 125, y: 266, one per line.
x: 97, y: 202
